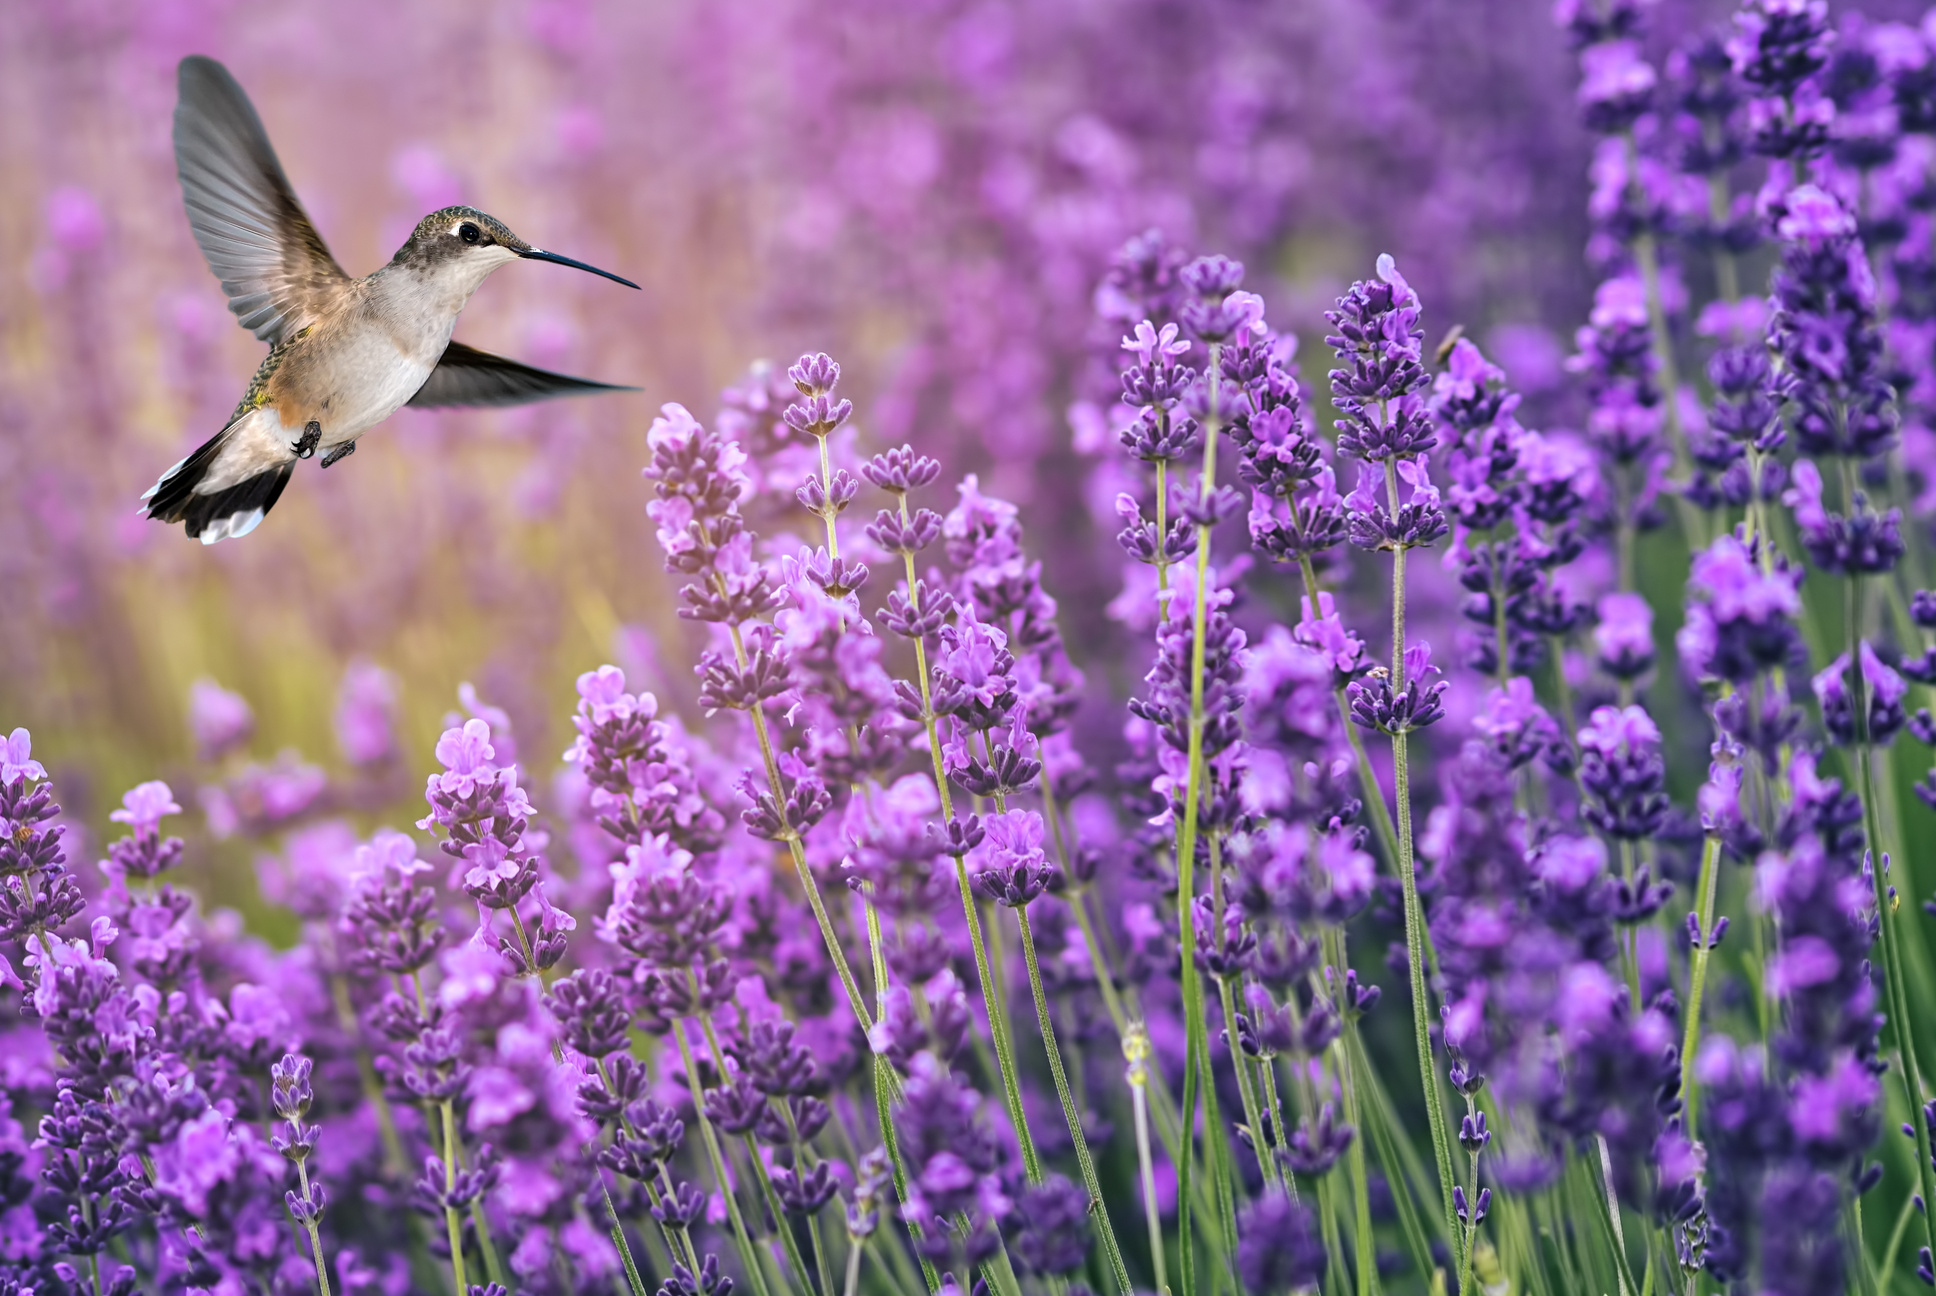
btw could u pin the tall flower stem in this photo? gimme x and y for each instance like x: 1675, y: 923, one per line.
x: 1070, y: 1112
x: 796, y: 1263
x: 451, y: 1224
x: 1162, y: 529
x: 1381, y: 816
x: 742, y: 1240
x: 884, y: 1085
x: 788, y: 1242
x: 1004, y: 1047
x: 315, y: 1236
x: 883, y: 1112
x: 1196, y: 1037
x: 1227, y: 1000
x: 821, y: 1264
x: 1886, y: 902
x: 1136, y: 1050
x: 1160, y: 1105
x: 1326, y: 1190
x: 1247, y: 1092
x: 997, y: 1025
x: 1363, y: 1242
x: 799, y: 854
x: 1617, y: 1235
x: 1396, y: 1155
x: 493, y: 1268
x: 851, y: 1285
x: 1704, y: 889
x: 873, y: 919
x: 1414, y: 914
x: 1471, y: 1230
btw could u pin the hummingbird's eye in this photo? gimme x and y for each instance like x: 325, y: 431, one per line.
x: 469, y: 232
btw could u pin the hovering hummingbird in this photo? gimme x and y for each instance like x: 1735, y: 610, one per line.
x: 344, y: 354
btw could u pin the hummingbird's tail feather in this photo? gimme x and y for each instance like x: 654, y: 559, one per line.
x: 228, y: 485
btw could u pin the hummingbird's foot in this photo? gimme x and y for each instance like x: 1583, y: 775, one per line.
x: 343, y: 451
x: 312, y: 436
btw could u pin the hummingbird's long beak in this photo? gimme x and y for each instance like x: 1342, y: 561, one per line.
x: 539, y: 254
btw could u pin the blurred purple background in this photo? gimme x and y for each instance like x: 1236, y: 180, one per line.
x: 928, y: 190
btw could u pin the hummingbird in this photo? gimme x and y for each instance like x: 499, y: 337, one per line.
x: 344, y: 353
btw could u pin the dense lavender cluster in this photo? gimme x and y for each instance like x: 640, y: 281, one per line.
x: 911, y: 946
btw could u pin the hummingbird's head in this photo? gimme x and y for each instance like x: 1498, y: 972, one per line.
x: 464, y: 244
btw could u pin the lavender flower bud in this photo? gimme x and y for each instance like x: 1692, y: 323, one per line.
x: 1053, y: 1237
x: 1316, y: 1145
x: 1278, y: 1245
x: 708, y: 1282
x: 804, y: 1193
x: 1473, y: 1134
x: 1378, y: 395
x: 901, y: 470
x: 1375, y: 705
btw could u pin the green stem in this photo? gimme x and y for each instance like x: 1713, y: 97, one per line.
x: 1617, y: 1237
x: 493, y: 1269
x: 633, y: 1282
x: 1239, y: 1065
x: 1471, y: 1232
x: 828, y: 936
x: 1328, y: 1228
x: 1136, y: 1049
x: 1397, y: 1158
x: 820, y: 1256
x: 1004, y: 1047
x: 451, y: 1225
x: 1158, y: 1102
x: 1196, y: 1039
x: 851, y: 1285
x: 1162, y: 530
x: 1374, y: 796
x: 1070, y: 1113
x: 315, y: 1236
x: 1697, y: 975
x: 742, y: 1240
x: 1408, y: 881
x: 796, y: 1263
x: 883, y: 1079
x: 1886, y: 902
x: 997, y: 1027
x: 1247, y: 1093
x: 1364, y: 1244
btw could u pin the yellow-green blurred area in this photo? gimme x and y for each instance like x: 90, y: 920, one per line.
x: 930, y: 192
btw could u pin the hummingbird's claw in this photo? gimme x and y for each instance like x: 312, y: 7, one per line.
x: 343, y: 451
x: 312, y: 436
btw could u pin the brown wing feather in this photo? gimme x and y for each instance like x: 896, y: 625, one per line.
x: 466, y: 376
x: 279, y: 276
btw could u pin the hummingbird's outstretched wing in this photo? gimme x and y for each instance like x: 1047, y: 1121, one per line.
x: 467, y: 376
x: 279, y: 277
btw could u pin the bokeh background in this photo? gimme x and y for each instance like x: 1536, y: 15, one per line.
x: 928, y: 189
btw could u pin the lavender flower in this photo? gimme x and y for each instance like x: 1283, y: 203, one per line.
x: 1622, y: 770
x: 1740, y: 618
x: 1884, y: 690
x: 1379, y: 395
x: 1824, y: 328
x: 366, y: 714
x: 1278, y: 1248
x: 221, y: 721
x: 1777, y: 48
